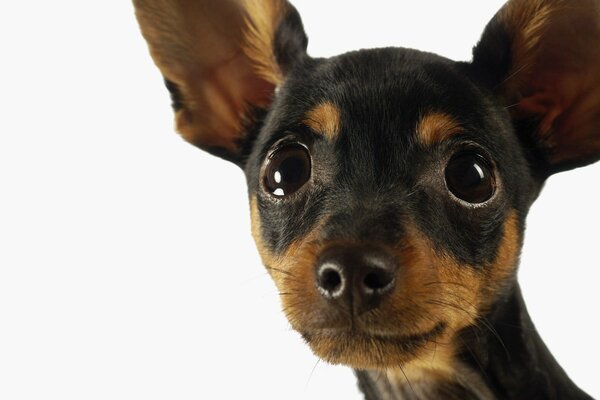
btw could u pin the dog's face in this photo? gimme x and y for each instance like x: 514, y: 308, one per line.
x: 388, y: 188
x: 387, y: 206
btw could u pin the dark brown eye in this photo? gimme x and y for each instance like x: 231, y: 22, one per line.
x: 469, y: 177
x: 287, y: 170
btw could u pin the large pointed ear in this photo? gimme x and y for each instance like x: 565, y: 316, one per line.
x: 222, y: 61
x: 542, y: 57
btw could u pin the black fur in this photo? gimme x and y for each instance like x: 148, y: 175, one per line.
x: 290, y: 41
x: 176, y: 97
x: 376, y: 176
x: 516, y: 361
x: 376, y: 167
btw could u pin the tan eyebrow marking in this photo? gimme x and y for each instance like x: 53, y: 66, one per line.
x: 324, y: 119
x: 436, y: 127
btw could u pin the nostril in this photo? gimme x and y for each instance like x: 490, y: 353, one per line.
x: 377, y: 280
x: 330, y: 281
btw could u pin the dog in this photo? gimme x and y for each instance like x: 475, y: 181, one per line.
x: 389, y: 187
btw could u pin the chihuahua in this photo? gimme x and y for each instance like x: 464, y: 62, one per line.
x: 389, y: 187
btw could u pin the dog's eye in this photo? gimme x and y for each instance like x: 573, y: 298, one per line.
x: 470, y: 178
x: 287, y: 169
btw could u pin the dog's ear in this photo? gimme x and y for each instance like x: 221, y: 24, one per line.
x: 542, y: 57
x: 222, y: 61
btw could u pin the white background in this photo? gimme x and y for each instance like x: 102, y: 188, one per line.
x: 126, y: 265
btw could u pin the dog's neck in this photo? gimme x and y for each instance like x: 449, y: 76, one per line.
x: 504, y: 358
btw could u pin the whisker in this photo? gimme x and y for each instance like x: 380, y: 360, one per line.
x: 438, y: 343
x: 516, y: 326
x: 379, y: 375
x: 476, y: 359
x: 294, y: 306
x: 456, y: 307
x: 447, y: 283
x: 479, y: 320
x: 483, y: 320
x: 517, y: 71
x: 312, y: 371
x: 512, y: 105
x: 408, y: 381
x: 494, y: 332
x: 282, y: 271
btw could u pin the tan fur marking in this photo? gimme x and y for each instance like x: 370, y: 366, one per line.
x: 503, y: 268
x: 447, y: 288
x: 293, y: 274
x: 436, y: 127
x: 266, y: 256
x: 291, y: 270
x: 325, y: 119
x: 465, y: 290
x: 432, y: 287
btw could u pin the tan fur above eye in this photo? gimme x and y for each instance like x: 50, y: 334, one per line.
x: 324, y: 119
x: 436, y: 127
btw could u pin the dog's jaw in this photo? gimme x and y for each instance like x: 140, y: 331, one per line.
x: 504, y: 359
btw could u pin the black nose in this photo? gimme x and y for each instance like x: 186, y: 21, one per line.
x: 355, y: 277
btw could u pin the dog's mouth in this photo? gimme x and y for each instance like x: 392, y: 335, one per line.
x: 371, y: 307
x: 366, y: 350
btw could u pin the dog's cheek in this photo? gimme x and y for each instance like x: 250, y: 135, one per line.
x: 459, y: 293
x: 275, y: 264
x: 446, y: 288
x: 292, y: 272
x: 267, y: 257
x: 501, y: 273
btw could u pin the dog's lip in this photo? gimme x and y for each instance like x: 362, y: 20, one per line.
x: 406, y: 339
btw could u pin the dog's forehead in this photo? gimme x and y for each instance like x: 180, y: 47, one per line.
x: 376, y: 92
x: 396, y: 72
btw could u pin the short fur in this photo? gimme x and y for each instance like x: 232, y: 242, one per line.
x: 378, y: 129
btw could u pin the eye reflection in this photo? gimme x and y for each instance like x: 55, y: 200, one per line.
x: 470, y: 178
x: 287, y: 170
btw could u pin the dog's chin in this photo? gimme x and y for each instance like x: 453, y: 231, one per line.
x: 363, y: 350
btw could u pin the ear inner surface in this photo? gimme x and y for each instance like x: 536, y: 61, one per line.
x: 553, y: 74
x: 219, y: 57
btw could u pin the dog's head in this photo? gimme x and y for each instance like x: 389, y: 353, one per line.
x: 388, y: 187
